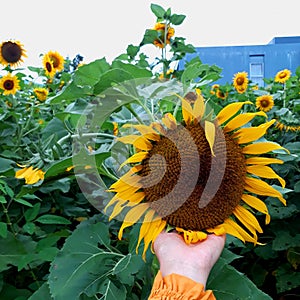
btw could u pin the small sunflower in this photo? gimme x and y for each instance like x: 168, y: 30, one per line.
x: 9, y: 84
x: 48, y: 66
x: 57, y: 60
x: 199, y: 176
x: 240, y: 82
x: 12, y: 53
x: 264, y: 102
x: 41, y: 93
x: 282, y: 76
x: 164, y: 35
x: 30, y: 174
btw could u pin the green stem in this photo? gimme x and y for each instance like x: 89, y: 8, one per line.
x: 8, y: 220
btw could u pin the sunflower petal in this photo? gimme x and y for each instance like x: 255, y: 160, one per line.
x: 247, y: 218
x: 260, y: 187
x: 132, y: 217
x: 263, y: 161
x: 233, y: 228
x: 246, y: 135
x: 260, y: 148
x: 241, y: 120
x: 187, y: 111
x: 265, y: 172
x: 137, y: 157
x: 140, y: 142
x: 199, y: 108
x: 169, y: 121
x: 257, y: 204
x: 210, y: 132
x: 230, y: 110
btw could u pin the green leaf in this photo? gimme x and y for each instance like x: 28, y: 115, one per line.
x: 31, y: 213
x: 52, y: 219
x: 113, y: 292
x: 132, y: 50
x: 177, y: 19
x: 229, y: 284
x: 42, y: 293
x: 286, y: 278
x: 157, y: 10
x: 83, y: 81
x: 3, y: 229
x: 284, y: 240
x: 13, y: 249
x: 127, y: 267
x: 6, y: 164
x: 85, y: 258
x: 22, y: 201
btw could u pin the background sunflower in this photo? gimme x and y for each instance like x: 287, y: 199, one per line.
x: 12, y: 53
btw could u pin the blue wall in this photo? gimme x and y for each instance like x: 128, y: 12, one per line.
x: 280, y: 53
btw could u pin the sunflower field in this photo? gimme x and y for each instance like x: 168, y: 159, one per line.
x: 98, y: 158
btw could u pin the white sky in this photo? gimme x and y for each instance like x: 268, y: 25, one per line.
x: 96, y: 29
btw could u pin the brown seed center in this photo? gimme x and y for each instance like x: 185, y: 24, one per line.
x: 212, y: 185
x: 11, y: 52
x: 8, y: 84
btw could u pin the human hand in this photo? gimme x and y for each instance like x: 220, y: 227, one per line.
x: 194, y: 261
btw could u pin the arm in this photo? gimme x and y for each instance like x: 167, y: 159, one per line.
x: 184, y: 269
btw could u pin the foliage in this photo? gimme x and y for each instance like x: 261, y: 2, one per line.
x: 55, y: 241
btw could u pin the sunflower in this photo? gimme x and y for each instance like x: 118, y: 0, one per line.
x: 41, y: 93
x: 199, y: 176
x: 9, y: 84
x: 12, y: 53
x: 264, y: 102
x: 282, y: 76
x: 164, y: 35
x: 48, y: 66
x: 240, y: 82
x: 57, y: 60
x: 30, y: 174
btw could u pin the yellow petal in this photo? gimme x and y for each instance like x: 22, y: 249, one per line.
x: 257, y: 204
x: 263, y: 161
x: 137, y: 157
x: 264, y: 172
x: 231, y: 225
x: 169, y: 121
x: 140, y: 142
x: 146, y: 225
x: 260, y: 148
x: 159, y: 128
x: 247, y: 218
x: 260, y: 187
x: 246, y: 135
x: 210, y: 132
x: 241, y: 120
x: 199, y: 108
x: 230, y: 110
x: 119, y: 206
x: 132, y: 217
x: 187, y: 111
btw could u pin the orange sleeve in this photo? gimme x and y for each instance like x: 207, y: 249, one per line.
x: 177, y: 287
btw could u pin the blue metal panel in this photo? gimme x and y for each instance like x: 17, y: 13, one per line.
x: 233, y: 59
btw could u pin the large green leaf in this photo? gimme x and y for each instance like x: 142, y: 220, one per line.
x: 83, y: 81
x: 229, y: 284
x: 85, y: 258
x: 42, y: 293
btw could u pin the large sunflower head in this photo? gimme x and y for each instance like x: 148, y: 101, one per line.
x: 165, y: 32
x: 240, y: 82
x: 264, y: 102
x: 199, y: 176
x: 282, y: 76
x: 12, y: 53
x: 57, y: 60
x: 9, y: 84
